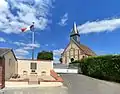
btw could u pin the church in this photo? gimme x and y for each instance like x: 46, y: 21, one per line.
x: 75, y: 50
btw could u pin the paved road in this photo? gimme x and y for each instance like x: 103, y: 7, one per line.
x: 79, y: 84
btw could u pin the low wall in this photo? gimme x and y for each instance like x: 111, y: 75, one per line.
x: 56, y: 76
x: 66, y: 70
x: 25, y: 84
x: 51, y: 84
x: 15, y: 84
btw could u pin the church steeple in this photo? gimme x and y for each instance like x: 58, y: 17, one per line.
x: 75, y: 34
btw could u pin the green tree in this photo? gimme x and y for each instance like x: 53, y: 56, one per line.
x: 45, y: 55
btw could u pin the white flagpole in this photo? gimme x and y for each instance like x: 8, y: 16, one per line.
x: 33, y: 41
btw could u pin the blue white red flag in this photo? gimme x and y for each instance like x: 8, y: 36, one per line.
x: 27, y: 28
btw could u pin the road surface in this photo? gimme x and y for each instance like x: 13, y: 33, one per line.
x: 79, y: 84
x: 40, y: 90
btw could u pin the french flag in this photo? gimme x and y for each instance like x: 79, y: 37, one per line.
x: 27, y: 28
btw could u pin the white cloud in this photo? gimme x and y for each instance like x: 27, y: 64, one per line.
x: 21, y: 57
x: 25, y: 12
x: 100, y: 26
x: 64, y: 20
x: 58, y: 52
x: 24, y: 49
x: 33, y: 45
x: 2, y: 39
x: 27, y: 48
x: 26, y: 45
x: 57, y: 55
x: 56, y: 60
x: 19, y: 43
x: 21, y: 52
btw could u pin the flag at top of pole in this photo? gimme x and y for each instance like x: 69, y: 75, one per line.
x: 31, y: 27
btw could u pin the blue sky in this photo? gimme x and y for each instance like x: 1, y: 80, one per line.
x: 98, y: 23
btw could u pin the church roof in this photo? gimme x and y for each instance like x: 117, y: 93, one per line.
x: 85, y: 49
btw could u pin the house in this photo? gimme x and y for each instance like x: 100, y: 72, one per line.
x: 8, y: 65
x: 10, y: 62
x: 75, y: 50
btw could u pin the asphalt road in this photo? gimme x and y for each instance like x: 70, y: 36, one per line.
x: 79, y: 84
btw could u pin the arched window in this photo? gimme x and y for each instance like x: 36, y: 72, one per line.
x: 72, y: 59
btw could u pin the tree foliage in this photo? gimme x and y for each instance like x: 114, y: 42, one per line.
x: 45, y: 55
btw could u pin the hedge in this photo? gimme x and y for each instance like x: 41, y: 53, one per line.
x: 102, y: 67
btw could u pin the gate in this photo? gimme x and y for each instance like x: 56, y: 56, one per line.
x: 2, y: 73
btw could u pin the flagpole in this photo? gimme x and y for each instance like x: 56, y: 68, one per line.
x: 33, y: 41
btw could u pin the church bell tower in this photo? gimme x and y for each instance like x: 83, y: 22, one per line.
x: 75, y: 34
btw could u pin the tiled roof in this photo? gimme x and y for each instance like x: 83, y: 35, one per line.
x: 85, y: 49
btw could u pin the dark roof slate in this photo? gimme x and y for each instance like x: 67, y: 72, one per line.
x: 3, y: 51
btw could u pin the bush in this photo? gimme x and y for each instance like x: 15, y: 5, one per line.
x: 102, y: 67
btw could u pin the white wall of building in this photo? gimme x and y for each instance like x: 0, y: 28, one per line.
x: 42, y: 65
